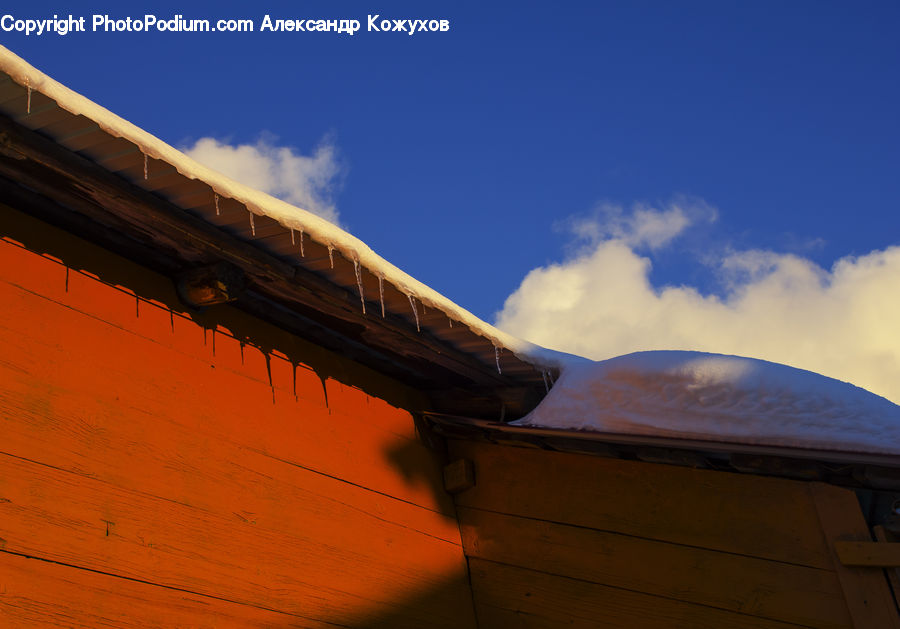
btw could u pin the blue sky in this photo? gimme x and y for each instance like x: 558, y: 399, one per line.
x: 464, y: 157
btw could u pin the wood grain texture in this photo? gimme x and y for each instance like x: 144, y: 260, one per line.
x: 322, y: 559
x: 35, y: 593
x: 757, y: 587
x: 761, y: 517
x: 866, y: 590
x: 513, y: 597
x: 58, y: 328
x: 873, y: 554
x: 139, y: 444
x: 893, y: 574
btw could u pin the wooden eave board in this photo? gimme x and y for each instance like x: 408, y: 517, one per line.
x: 692, y: 452
x: 440, y: 337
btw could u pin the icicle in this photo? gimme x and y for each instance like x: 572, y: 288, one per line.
x: 550, y: 377
x: 302, y: 254
x: 359, y: 285
x: 497, y: 358
x: 451, y: 321
x: 293, y: 242
x: 331, y: 255
x: 146, y: 166
x: 252, y: 224
x: 28, y: 97
x: 216, y: 197
x: 381, y: 293
x: 546, y: 384
x: 412, y: 302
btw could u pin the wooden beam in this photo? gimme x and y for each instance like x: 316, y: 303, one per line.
x: 285, y: 316
x: 495, y: 403
x: 871, y: 554
x: 83, y: 187
x: 865, y: 590
x: 893, y: 575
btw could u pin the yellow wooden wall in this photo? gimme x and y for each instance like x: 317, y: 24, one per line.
x: 567, y: 540
x: 163, y: 468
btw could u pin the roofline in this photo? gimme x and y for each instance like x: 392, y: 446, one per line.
x: 848, y: 468
x: 76, y: 164
x: 289, y: 217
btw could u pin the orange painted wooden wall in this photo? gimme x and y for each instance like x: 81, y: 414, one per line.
x: 159, y: 468
x: 568, y: 540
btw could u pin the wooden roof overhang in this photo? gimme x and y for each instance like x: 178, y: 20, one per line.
x: 68, y: 171
x: 848, y: 469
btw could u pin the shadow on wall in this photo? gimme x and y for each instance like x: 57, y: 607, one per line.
x: 426, y: 609
x: 153, y: 290
x: 391, y: 461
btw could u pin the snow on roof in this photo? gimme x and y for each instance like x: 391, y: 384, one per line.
x: 262, y: 204
x: 719, y: 398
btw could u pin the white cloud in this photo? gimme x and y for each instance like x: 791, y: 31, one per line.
x: 305, y: 181
x: 643, y: 227
x: 840, y: 322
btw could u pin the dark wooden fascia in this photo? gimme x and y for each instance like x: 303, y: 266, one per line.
x: 121, y: 208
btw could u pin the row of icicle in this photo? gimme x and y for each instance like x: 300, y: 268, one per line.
x: 357, y: 271
x: 357, y: 267
x: 546, y: 375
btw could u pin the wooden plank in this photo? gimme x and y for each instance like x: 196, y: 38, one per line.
x: 169, y: 461
x: 882, y: 535
x: 70, y: 384
x: 61, y: 344
x: 865, y: 589
x: 508, y: 596
x: 335, y: 564
x: 176, y: 455
x: 82, y: 185
x: 64, y: 404
x: 873, y: 554
x: 772, y: 590
x: 762, y: 517
x: 35, y: 593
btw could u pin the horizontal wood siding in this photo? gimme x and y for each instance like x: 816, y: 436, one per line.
x: 186, y: 468
x: 727, y: 581
x: 509, y: 596
x: 86, y: 600
x: 556, y: 538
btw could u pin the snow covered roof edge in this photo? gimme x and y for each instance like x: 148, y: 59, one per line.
x: 263, y: 204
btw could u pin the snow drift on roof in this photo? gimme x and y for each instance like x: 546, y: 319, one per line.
x: 720, y: 398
